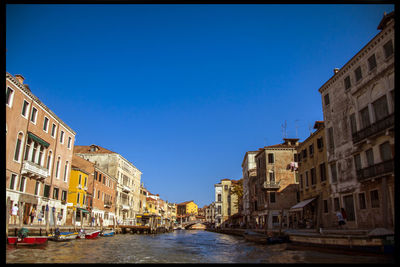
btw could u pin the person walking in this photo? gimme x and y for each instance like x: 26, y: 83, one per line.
x: 340, y: 219
x: 39, y: 217
x: 344, y: 214
x: 14, y: 213
x: 32, y: 214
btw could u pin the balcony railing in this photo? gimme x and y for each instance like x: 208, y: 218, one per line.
x: 126, y: 189
x: 34, y: 170
x: 375, y: 170
x: 374, y: 128
x: 271, y: 185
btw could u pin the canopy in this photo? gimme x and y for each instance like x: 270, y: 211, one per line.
x: 83, y: 210
x: 38, y: 139
x: 299, y: 206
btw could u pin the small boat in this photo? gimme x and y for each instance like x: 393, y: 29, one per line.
x: 29, y: 240
x: 63, y: 236
x: 277, y: 239
x: 88, y: 235
x: 255, y: 237
x: 108, y: 233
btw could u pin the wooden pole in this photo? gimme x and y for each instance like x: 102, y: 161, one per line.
x: 7, y: 214
x: 46, y: 215
x: 21, y: 212
x: 81, y: 213
x: 54, y: 217
x: 74, y: 218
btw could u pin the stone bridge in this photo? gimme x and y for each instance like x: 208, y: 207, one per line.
x: 187, y: 225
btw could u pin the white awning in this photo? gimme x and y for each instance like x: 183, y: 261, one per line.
x: 299, y: 206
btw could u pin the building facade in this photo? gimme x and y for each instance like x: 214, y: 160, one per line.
x: 225, y: 202
x: 128, y: 177
x: 276, y: 187
x: 38, y: 153
x: 249, y: 170
x: 358, y: 108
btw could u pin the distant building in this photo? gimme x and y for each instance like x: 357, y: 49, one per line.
x: 210, y: 213
x: 249, y: 170
x: 128, y: 176
x: 77, y: 196
x: 225, y: 201
x: 358, y: 107
x: 276, y: 188
x: 38, y: 153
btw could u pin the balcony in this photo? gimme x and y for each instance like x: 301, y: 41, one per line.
x: 107, y: 204
x: 125, y: 207
x: 34, y: 171
x: 126, y: 189
x: 271, y: 185
x: 373, y: 129
x: 376, y: 170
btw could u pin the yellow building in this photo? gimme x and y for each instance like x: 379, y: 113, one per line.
x: 187, y: 208
x: 77, y: 198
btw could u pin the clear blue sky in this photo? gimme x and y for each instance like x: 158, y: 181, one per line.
x: 183, y: 91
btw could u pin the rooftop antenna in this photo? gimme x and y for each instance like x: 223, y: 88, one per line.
x: 284, y: 130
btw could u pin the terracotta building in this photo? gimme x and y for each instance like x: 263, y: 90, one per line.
x: 358, y: 107
x: 38, y: 153
x: 276, y: 187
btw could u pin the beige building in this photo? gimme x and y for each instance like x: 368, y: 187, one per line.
x: 276, y: 187
x: 358, y: 107
x: 38, y: 153
x: 249, y: 170
x: 313, y: 210
x: 224, y: 202
x: 127, y: 198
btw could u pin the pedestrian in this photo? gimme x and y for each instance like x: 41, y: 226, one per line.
x: 92, y: 221
x: 32, y: 214
x: 344, y: 215
x: 14, y: 213
x: 39, y: 217
x: 340, y: 219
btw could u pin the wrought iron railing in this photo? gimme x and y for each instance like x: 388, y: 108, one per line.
x: 374, y: 128
x: 382, y: 168
x: 271, y: 185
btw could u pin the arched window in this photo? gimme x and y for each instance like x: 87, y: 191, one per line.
x: 58, y: 167
x: 65, y: 171
x: 18, y: 146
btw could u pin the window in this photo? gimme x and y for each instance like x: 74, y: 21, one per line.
x: 311, y: 149
x: 219, y: 197
x: 219, y: 210
x: 34, y: 115
x: 370, y: 157
x: 330, y: 138
x: 64, y: 195
x: 361, y: 201
x: 100, y: 178
x: 272, y: 197
x: 358, y: 74
x: 336, y: 203
x: 37, y: 188
x: 386, y: 151
x: 306, y: 179
x: 271, y: 158
x: 41, y: 149
x: 46, y: 191
x: 326, y: 99
x: 304, y: 156
x: 62, y: 137
x: 80, y: 179
x: 320, y: 143
x: 347, y: 83
x: 388, y: 47
x: 380, y: 108
x: 9, y: 96
x: 85, y: 181
x: 53, y: 130
x: 78, y: 197
x: 48, y: 161
x: 357, y: 162
x: 69, y: 142
x: 325, y: 206
x: 13, y: 179
x: 313, y: 176
x: 372, y: 62
x: 374, y: 199
x: 55, y: 193
x: 95, y: 175
x: 322, y: 172
x: 18, y: 147
x: 353, y: 124
x: 301, y: 181
x: 333, y: 173
x: 34, y: 149
x: 25, y: 106
x: 65, y: 171
x: 58, y: 167
x: 272, y: 177
x: 364, y: 113
x: 45, y: 124
x: 22, y: 184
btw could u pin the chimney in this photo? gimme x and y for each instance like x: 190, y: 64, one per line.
x: 20, y: 78
x: 335, y: 70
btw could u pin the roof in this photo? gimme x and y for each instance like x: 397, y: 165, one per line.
x: 92, y: 149
x: 184, y: 203
x: 386, y: 18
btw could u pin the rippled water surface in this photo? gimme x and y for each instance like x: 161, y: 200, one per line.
x: 185, y: 246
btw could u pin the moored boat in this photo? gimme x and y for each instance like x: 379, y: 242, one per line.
x: 255, y: 237
x: 29, y: 240
x: 63, y: 236
x: 88, y: 235
x: 108, y: 233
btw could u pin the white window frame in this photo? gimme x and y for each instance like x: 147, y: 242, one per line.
x: 69, y: 142
x: 15, y: 181
x: 48, y: 123
x: 21, y: 148
x: 27, y: 109
x: 58, y: 168
x: 66, y: 167
x: 55, y: 130
x: 11, y: 97
x: 62, y: 133
x: 36, y: 115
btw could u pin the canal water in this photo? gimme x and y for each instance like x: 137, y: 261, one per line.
x: 181, y: 246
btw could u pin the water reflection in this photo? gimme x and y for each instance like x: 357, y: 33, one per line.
x: 177, y: 247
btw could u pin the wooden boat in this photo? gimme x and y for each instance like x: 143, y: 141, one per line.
x: 255, y: 237
x: 29, y: 240
x: 63, y: 236
x: 108, y: 233
x: 89, y: 235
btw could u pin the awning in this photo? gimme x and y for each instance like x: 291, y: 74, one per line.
x: 38, y: 139
x: 83, y: 210
x: 299, y: 206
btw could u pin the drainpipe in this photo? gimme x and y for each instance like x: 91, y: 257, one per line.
x: 385, y: 202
